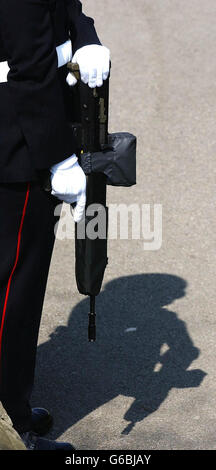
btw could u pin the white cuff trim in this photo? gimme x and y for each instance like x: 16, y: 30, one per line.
x: 65, y: 164
x: 64, y: 53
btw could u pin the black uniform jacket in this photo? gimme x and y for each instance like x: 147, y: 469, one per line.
x: 34, y: 130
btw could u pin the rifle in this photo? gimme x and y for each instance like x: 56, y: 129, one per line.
x: 102, y: 164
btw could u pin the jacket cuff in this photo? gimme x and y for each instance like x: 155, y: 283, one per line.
x: 86, y: 35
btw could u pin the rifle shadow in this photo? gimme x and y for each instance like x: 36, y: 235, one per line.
x: 142, y: 350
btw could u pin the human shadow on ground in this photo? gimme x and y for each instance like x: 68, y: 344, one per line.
x: 142, y: 350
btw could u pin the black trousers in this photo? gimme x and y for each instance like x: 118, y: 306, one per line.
x: 27, y: 238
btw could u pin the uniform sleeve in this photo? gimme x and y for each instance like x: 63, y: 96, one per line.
x: 82, y: 29
x: 28, y: 38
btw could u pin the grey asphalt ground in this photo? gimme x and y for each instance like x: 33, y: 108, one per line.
x: 149, y: 380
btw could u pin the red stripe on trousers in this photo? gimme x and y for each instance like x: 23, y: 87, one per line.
x: 14, y: 267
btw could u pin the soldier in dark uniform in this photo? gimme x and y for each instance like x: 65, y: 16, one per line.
x: 35, y: 46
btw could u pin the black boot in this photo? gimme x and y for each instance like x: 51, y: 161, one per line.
x: 33, y: 442
x: 42, y: 421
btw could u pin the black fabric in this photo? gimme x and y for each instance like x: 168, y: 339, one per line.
x: 82, y: 30
x: 27, y: 289
x: 15, y: 163
x: 33, y: 101
x: 117, y: 161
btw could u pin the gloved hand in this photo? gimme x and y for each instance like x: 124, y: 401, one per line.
x: 68, y: 183
x: 94, y: 64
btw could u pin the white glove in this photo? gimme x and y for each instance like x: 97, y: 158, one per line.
x: 68, y: 183
x: 94, y: 64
